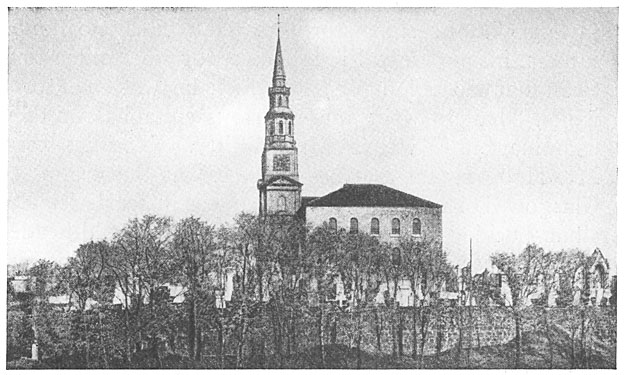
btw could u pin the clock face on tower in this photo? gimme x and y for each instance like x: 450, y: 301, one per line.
x: 281, y: 163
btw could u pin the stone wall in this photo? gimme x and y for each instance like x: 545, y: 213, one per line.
x: 491, y: 326
x: 379, y: 330
x: 479, y: 326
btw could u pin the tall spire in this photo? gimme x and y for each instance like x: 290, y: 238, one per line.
x: 279, y: 70
x: 279, y: 186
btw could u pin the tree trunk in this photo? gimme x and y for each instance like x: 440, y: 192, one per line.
x: 582, y: 337
x: 220, y: 339
x: 460, y: 328
x: 173, y: 340
x: 333, y: 329
x: 572, y: 341
x: 242, y: 313
x: 414, y: 332
x: 394, y: 315
x: 439, y: 336
x: 128, y: 334
x: 105, y: 357
x: 154, y: 350
x: 290, y: 325
x: 259, y: 271
x: 294, y: 333
x: 277, y: 328
x: 378, y: 329
x: 191, y: 328
x: 423, y: 332
x: 548, y: 335
x: 321, y: 334
x: 471, y: 334
x: 243, y: 323
x: 86, y: 330
x: 394, y: 334
x: 518, y: 339
x: 358, y: 342
x: 199, y: 344
x: 478, y: 327
x: 400, y: 334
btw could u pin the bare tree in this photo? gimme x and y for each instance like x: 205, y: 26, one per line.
x: 44, y: 283
x: 361, y: 269
x: 522, y: 272
x: 425, y: 265
x: 139, y: 263
x: 194, y: 252
x: 256, y: 240
x: 325, y: 247
x: 90, y: 282
x: 87, y: 274
x: 573, y: 280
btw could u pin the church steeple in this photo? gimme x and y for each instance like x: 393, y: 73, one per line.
x: 279, y: 70
x: 279, y: 186
x: 279, y: 119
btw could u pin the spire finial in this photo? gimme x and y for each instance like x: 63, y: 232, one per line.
x: 278, y: 23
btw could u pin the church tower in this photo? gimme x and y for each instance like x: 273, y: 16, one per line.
x: 279, y: 186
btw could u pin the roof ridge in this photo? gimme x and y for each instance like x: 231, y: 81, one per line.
x: 370, y: 195
x: 350, y: 184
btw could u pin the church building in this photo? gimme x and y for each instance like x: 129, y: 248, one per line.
x: 376, y: 209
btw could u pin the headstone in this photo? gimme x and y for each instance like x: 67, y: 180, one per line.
x: 35, y: 351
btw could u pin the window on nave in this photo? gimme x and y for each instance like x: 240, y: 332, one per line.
x: 417, y: 227
x: 375, y: 227
x: 332, y: 223
x: 354, y: 225
x: 395, y: 226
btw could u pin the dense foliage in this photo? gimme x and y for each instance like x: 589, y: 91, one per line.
x: 153, y: 296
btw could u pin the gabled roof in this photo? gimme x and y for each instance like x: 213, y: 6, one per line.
x: 369, y: 195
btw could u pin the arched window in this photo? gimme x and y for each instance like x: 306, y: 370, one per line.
x: 290, y: 130
x: 271, y: 128
x: 280, y: 101
x: 396, y: 257
x: 395, y: 226
x: 354, y: 225
x: 332, y: 223
x: 417, y: 227
x: 280, y: 127
x: 375, y: 229
x: 282, y: 203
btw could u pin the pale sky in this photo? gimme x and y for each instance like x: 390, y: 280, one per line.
x: 506, y: 117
